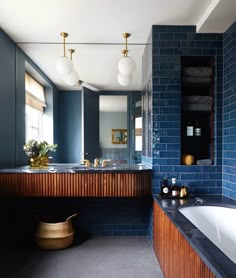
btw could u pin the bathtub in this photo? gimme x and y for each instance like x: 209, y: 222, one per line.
x: 217, y: 223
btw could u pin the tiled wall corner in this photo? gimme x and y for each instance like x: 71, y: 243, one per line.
x: 229, y: 113
x: 169, y: 44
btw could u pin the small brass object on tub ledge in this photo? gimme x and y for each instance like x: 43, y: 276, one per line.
x: 183, y: 191
x: 188, y: 159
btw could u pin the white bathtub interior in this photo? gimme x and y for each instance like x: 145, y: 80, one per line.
x: 217, y: 223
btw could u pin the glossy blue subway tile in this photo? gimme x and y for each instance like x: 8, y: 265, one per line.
x: 209, y: 51
x: 174, y: 72
x: 215, y: 191
x: 173, y: 147
x: 181, y: 51
x: 187, y: 176
x: 173, y: 161
x: 181, y: 36
x: 170, y: 81
x: 195, y: 51
x: 202, y: 44
x: 158, y: 28
x: 188, y: 28
x: 166, y: 36
x: 131, y: 233
x: 173, y: 44
x: 210, y: 169
x: 173, y: 28
x: 233, y: 194
x: 173, y: 132
x: 173, y: 88
x: 118, y: 233
x: 169, y: 169
x: 173, y: 117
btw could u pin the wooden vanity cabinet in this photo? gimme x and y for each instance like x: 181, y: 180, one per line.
x: 175, y: 255
x: 99, y: 184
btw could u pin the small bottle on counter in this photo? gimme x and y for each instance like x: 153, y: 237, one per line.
x: 189, y: 129
x: 197, y: 129
x: 165, y: 189
x: 175, y: 190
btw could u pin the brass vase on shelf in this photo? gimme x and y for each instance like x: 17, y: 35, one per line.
x: 38, y: 162
x: 35, y: 162
x: 44, y: 161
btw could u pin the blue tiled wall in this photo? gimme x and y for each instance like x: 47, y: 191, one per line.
x: 169, y: 43
x: 96, y: 216
x: 229, y: 113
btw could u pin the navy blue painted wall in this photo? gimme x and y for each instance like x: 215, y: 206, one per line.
x: 169, y: 43
x: 229, y: 116
x: 12, y: 101
x: 7, y: 101
x: 69, y: 143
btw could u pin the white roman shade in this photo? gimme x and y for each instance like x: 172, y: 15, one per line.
x: 34, y: 93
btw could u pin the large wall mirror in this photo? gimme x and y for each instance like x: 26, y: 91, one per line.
x: 113, y: 125
x: 120, y: 112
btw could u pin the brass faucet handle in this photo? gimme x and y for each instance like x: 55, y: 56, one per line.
x: 86, y: 162
x: 96, y: 162
x: 104, y: 162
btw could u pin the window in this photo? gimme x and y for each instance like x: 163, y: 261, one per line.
x: 35, y: 103
x: 138, y: 134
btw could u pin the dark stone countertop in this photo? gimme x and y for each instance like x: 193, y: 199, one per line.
x: 77, y: 168
x: 213, y: 257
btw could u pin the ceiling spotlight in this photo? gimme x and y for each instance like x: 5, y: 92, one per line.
x: 72, y: 78
x: 64, y: 64
x: 126, y: 65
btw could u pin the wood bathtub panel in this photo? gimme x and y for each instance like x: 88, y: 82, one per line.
x: 76, y: 184
x: 175, y: 255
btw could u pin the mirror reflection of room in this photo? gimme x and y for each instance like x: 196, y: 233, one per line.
x: 113, y: 116
x: 119, y: 136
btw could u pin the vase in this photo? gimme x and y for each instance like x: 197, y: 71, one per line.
x: 38, y: 162
x: 44, y: 161
x: 35, y: 162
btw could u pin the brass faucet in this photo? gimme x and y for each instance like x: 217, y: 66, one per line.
x: 104, y: 162
x: 96, y: 162
x: 86, y: 162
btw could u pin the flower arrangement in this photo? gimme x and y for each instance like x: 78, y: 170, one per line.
x: 35, y: 148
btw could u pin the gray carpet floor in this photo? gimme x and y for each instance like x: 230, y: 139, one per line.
x: 98, y: 257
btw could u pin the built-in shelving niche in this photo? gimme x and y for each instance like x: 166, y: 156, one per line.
x: 197, y: 110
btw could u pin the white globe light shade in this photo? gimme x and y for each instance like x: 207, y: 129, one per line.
x: 124, y: 80
x: 72, y: 79
x: 64, y: 65
x: 126, y: 65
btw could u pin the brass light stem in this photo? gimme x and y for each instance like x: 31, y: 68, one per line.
x: 64, y: 35
x: 71, y: 52
x: 125, y: 52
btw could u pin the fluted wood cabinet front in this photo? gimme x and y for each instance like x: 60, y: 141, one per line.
x: 76, y: 185
x: 175, y: 255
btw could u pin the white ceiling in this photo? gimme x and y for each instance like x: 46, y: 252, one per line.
x: 113, y: 103
x: 95, y: 26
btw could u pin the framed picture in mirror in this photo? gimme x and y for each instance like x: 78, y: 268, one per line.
x: 119, y: 136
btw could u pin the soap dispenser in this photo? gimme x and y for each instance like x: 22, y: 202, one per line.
x: 165, y: 189
x: 174, y: 188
